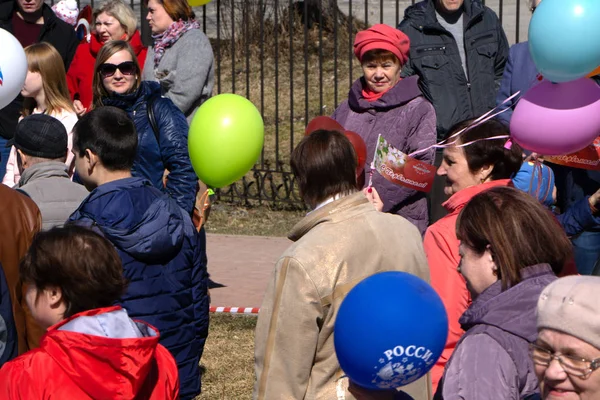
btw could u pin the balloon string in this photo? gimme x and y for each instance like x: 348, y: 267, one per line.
x: 484, y: 118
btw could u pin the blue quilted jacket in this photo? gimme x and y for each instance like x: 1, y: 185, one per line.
x: 164, y: 259
x: 172, y: 153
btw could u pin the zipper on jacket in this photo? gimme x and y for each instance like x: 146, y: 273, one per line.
x: 428, y: 49
x: 468, y: 77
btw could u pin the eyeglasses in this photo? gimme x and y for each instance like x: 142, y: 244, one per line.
x: 107, y: 70
x: 575, y: 366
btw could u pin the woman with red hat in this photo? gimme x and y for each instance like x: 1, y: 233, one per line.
x: 381, y: 102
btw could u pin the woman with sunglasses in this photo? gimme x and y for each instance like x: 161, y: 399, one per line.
x: 181, y: 59
x: 566, y: 353
x: 161, y: 127
x: 510, y: 247
x: 115, y: 20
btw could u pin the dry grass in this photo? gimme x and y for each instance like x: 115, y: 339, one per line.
x: 232, y: 219
x: 228, y: 358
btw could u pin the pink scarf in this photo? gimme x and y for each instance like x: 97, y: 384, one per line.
x: 164, y: 40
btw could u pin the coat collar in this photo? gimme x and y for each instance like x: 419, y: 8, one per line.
x: 404, y: 91
x: 458, y: 200
x: 423, y: 14
x: 326, y: 213
x: 514, y: 308
x: 47, y: 169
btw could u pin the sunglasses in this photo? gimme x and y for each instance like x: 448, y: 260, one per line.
x: 107, y: 70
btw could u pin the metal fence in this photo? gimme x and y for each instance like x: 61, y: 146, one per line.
x: 295, y: 63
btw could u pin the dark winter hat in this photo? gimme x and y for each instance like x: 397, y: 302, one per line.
x: 40, y: 135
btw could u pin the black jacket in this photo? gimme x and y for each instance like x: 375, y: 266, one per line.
x: 56, y: 32
x: 435, y: 58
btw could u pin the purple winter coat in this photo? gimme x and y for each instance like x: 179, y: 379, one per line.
x: 491, y: 360
x: 407, y: 121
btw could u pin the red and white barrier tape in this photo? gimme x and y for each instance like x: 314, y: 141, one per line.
x: 235, y: 310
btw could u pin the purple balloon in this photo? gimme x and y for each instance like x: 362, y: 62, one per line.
x: 557, y: 118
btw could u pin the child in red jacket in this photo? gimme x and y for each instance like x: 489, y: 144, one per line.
x: 92, y: 350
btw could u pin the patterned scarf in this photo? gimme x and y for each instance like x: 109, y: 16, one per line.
x: 164, y: 40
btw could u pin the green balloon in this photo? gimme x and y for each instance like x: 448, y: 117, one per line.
x: 225, y: 139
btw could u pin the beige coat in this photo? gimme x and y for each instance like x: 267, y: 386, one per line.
x: 336, y: 247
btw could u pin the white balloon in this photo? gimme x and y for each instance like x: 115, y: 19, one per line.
x: 13, y: 68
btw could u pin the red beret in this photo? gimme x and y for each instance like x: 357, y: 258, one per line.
x: 383, y: 37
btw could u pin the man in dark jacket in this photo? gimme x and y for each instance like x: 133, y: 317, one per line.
x: 31, y: 21
x: 459, y: 49
x: 163, y: 255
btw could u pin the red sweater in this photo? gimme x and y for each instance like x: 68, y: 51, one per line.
x: 81, y: 72
x: 73, y: 364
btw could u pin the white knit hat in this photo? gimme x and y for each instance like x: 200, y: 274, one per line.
x: 572, y: 305
x: 67, y: 11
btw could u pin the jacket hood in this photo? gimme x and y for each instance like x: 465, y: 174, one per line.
x: 422, y: 15
x: 512, y: 310
x: 150, y: 234
x: 135, y: 42
x: 404, y: 91
x: 104, y: 352
x: 130, y: 101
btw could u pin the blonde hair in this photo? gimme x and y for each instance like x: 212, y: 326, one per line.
x: 121, y: 12
x: 107, y: 51
x: 44, y: 59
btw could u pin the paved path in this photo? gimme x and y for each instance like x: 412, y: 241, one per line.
x: 243, y: 264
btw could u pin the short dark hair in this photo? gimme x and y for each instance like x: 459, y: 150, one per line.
x: 110, y: 134
x: 83, y: 264
x: 518, y: 229
x: 482, y: 153
x: 324, y: 163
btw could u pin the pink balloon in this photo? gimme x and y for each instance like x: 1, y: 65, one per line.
x: 557, y: 118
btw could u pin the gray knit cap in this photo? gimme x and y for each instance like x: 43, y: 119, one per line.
x: 572, y: 305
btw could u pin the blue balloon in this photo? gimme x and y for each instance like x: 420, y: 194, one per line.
x: 390, y: 330
x: 563, y: 38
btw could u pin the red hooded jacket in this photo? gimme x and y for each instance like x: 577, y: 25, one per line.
x: 80, y: 75
x: 96, y: 354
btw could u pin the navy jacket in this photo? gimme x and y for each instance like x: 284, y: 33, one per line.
x: 164, y: 260
x: 525, y: 77
x: 172, y: 152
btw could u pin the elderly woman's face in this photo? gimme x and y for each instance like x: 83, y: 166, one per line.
x: 122, y: 78
x: 456, y: 170
x: 109, y: 28
x: 381, y: 75
x: 555, y: 383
